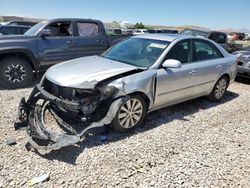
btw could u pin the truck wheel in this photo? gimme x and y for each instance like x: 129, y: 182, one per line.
x: 130, y: 114
x: 219, y: 89
x: 15, y: 72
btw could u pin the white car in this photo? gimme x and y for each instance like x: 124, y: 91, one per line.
x: 140, y: 31
x: 247, y: 36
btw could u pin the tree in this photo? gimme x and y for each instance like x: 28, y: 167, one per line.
x: 139, y: 26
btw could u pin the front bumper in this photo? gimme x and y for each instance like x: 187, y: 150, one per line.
x: 32, y: 114
x: 244, y: 70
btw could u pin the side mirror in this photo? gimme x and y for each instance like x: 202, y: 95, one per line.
x: 45, y: 33
x: 171, y: 63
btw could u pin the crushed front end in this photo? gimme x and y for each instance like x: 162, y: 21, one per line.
x: 74, y: 111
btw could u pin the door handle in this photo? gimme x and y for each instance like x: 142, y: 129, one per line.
x: 70, y: 42
x: 218, y: 67
x: 99, y: 41
x: 193, y: 72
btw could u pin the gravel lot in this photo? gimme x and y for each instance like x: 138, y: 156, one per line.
x: 193, y: 144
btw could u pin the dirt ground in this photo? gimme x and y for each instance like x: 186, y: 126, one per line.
x: 192, y: 144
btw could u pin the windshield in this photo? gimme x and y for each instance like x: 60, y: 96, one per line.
x: 33, y: 30
x: 137, y: 51
x: 194, y: 33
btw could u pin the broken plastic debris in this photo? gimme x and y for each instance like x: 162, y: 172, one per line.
x: 39, y: 179
x: 20, y: 126
x: 10, y: 141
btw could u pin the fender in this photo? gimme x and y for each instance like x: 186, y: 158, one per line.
x: 28, y: 53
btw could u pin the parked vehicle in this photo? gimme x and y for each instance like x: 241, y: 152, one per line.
x: 127, y: 32
x: 140, y: 31
x: 152, y: 31
x: 219, y: 37
x: 13, y: 30
x: 170, y: 31
x: 237, y: 36
x: 24, y: 23
x: 136, y: 76
x: 48, y: 43
x: 243, y: 63
x: 247, y: 36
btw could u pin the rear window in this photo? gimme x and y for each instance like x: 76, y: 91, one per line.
x: 87, y: 29
x: 213, y: 36
x: 205, y: 50
x: 221, y: 38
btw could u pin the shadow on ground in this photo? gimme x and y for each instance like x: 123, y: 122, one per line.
x: 181, y: 111
x: 243, y: 80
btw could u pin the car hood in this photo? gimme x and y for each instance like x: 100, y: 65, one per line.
x: 86, y: 72
x: 14, y: 37
x: 10, y: 41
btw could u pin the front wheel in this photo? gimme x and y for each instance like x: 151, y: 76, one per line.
x: 130, y: 114
x: 219, y: 89
x: 15, y: 72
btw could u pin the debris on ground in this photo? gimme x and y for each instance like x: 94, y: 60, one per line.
x: 10, y: 141
x: 178, y: 146
x: 20, y: 126
x: 39, y: 179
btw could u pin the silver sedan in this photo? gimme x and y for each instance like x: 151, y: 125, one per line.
x: 118, y: 88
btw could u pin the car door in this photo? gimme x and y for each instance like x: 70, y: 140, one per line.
x: 209, y: 62
x: 59, y: 46
x: 176, y: 84
x: 89, y: 39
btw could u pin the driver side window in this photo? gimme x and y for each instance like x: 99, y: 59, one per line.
x: 181, y: 52
x: 59, y: 29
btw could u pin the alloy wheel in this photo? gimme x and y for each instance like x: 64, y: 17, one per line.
x: 130, y: 113
x: 220, y: 88
x: 15, y: 73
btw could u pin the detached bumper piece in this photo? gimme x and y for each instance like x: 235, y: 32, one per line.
x: 54, y: 122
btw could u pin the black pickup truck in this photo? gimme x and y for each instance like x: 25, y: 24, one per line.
x: 48, y: 43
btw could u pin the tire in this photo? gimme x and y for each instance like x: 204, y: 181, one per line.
x: 219, y: 89
x: 15, y: 72
x: 125, y: 119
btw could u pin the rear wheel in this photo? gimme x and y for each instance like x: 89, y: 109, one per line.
x: 130, y: 114
x: 15, y: 72
x: 219, y: 89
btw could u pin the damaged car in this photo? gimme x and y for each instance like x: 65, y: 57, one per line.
x: 118, y: 88
x: 243, y: 63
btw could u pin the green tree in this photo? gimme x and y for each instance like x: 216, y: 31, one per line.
x: 139, y: 26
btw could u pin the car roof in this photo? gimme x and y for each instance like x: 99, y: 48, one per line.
x: 162, y: 36
x: 72, y: 19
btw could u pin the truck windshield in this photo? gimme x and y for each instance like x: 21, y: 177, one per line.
x: 139, y: 52
x: 33, y: 30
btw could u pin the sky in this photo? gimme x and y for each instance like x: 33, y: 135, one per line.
x: 214, y: 14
